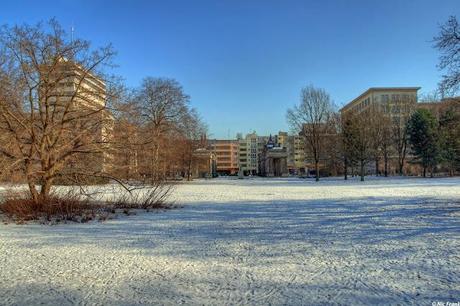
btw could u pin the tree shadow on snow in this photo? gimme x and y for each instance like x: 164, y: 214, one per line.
x: 367, y: 220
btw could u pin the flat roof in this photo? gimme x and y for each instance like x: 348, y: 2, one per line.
x: 371, y: 89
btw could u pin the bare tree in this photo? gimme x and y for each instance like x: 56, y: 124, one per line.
x: 333, y: 145
x: 126, y: 142
x: 376, y: 135
x: 163, y: 105
x: 53, y: 109
x: 311, y: 117
x: 430, y: 96
x: 385, y: 143
x: 358, y: 139
x: 399, y: 114
x: 345, y: 145
x: 448, y: 43
x: 380, y: 133
x: 193, y: 129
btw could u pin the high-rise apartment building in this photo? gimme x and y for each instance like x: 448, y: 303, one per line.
x: 81, y: 94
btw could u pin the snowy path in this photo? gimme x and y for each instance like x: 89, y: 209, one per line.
x: 251, y: 242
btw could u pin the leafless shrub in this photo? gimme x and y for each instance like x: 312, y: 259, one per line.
x: 154, y: 197
x: 20, y: 208
x: 73, y: 207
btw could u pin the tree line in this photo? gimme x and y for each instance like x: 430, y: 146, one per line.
x: 350, y: 142
x: 428, y: 137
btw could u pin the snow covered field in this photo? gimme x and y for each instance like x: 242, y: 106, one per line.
x: 251, y: 242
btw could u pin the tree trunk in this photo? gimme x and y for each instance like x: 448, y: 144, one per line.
x: 376, y: 167
x: 189, y: 174
x: 345, y: 166
x: 31, y: 183
x: 152, y: 165
x: 33, y: 191
x: 424, y: 171
x: 361, y: 170
x: 385, y: 161
x: 317, y: 170
x: 46, y: 188
x: 157, y: 162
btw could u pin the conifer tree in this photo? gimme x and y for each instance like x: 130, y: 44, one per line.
x: 423, y: 137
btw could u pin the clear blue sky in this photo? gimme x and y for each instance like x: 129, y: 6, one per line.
x: 244, y: 62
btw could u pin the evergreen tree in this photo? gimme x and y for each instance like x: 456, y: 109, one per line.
x: 423, y: 137
x: 449, y: 132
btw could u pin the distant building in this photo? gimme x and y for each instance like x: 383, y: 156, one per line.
x: 83, y: 93
x: 397, y: 102
x: 295, y: 148
x: 253, y: 147
x: 226, y: 153
x: 204, y: 163
x: 437, y: 108
x: 273, y: 159
x: 261, y: 142
x: 248, y: 150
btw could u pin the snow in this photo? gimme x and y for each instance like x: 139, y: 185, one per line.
x: 251, y: 242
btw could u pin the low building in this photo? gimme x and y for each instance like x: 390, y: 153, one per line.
x: 204, y: 164
x: 273, y: 160
x: 438, y: 108
x: 226, y: 153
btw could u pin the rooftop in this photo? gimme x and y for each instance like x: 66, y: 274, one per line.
x: 373, y: 89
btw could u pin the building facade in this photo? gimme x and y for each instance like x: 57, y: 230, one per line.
x: 396, y: 102
x: 438, y: 108
x: 227, y: 156
x: 273, y: 159
x: 253, y: 147
x: 248, y: 150
x: 204, y: 164
x: 84, y: 95
x: 295, y: 149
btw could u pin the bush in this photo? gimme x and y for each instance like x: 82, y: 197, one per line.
x: 152, y: 198
x: 21, y: 208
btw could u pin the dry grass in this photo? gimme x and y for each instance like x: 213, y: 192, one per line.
x: 20, y: 208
